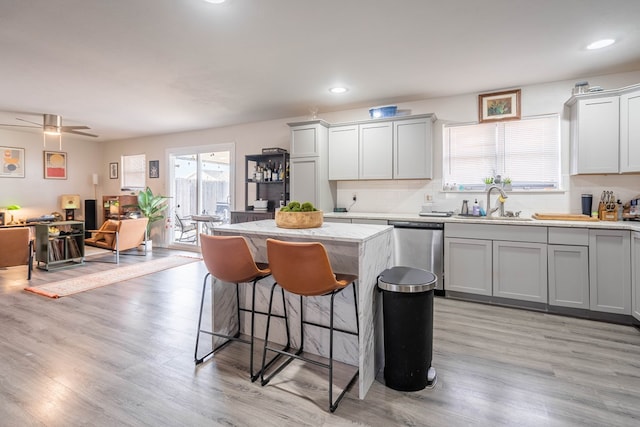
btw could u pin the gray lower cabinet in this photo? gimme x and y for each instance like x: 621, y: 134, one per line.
x: 610, y: 271
x: 520, y: 271
x: 568, y: 265
x: 569, y: 276
x: 635, y: 274
x: 468, y: 265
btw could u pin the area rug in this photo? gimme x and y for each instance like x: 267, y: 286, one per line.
x: 67, y: 287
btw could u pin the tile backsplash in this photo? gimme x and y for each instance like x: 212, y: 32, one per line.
x: 408, y: 196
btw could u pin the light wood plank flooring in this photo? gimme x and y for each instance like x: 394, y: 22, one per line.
x: 122, y: 355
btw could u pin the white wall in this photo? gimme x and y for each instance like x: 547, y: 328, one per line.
x: 38, y: 196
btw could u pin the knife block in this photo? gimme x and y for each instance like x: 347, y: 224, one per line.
x: 605, y: 215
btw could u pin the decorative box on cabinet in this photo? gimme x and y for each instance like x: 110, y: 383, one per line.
x: 59, y: 250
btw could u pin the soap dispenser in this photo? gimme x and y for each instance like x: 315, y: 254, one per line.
x: 476, y: 208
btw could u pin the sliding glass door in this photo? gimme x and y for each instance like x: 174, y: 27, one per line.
x: 201, y: 188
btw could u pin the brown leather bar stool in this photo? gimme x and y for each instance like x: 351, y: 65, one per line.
x: 304, y: 269
x: 229, y: 259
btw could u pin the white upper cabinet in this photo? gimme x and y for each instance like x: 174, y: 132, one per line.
x: 343, y: 152
x: 413, y: 149
x: 595, y: 141
x: 376, y: 151
x: 605, y: 131
x: 630, y: 132
x: 306, y: 138
x: 401, y: 148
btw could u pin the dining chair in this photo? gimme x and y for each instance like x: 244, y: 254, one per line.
x: 229, y: 259
x: 185, y: 230
x: 304, y: 269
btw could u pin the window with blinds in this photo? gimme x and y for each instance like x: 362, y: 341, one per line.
x: 133, y: 171
x: 527, y: 151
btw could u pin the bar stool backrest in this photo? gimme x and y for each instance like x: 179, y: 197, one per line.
x: 302, y: 268
x: 228, y: 258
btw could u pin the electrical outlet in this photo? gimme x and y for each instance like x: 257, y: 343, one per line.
x: 354, y: 197
x: 428, y: 198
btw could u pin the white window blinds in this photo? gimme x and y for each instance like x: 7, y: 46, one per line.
x: 133, y: 171
x: 527, y: 151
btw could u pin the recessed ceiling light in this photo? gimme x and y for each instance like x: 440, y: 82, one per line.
x: 600, y: 44
x: 338, y: 89
x: 215, y: 1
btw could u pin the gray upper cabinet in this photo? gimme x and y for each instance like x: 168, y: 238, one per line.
x: 401, y: 148
x: 307, y: 138
x: 413, y: 149
x: 610, y: 271
x: 630, y: 132
x: 309, y: 178
x: 343, y: 152
x: 595, y: 139
x: 605, y: 131
x: 376, y: 150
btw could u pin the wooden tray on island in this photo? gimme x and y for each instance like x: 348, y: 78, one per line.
x: 299, y: 219
x: 563, y: 217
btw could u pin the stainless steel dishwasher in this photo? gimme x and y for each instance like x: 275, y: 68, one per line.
x: 420, y: 245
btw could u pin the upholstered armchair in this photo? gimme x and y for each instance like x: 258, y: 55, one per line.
x: 120, y: 235
x: 16, y: 248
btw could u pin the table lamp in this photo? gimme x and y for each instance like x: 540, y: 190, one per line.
x: 69, y: 202
x: 13, y: 209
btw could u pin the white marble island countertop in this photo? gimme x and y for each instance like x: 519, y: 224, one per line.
x: 328, y: 230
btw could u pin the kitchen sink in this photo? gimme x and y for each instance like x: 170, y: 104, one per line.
x: 495, y: 218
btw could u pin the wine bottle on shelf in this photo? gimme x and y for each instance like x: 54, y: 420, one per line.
x: 280, y: 172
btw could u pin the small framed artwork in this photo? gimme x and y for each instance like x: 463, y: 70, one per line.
x: 113, y: 170
x: 154, y: 168
x: 55, y: 165
x: 12, y: 162
x: 498, y: 106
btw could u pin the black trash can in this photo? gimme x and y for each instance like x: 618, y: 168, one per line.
x: 407, y: 298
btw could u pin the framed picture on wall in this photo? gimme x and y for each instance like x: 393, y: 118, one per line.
x: 55, y: 165
x: 499, y: 106
x: 154, y: 168
x: 113, y: 170
x: 12, y: 162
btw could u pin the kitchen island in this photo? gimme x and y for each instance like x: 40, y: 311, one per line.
x: 362, y: 249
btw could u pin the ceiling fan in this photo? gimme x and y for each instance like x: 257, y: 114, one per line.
x: 52, y: 125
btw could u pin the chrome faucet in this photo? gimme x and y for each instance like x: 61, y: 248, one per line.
x: 500, y: 206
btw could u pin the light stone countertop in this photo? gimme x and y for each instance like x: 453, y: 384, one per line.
x: 615, y: 225
x: 328, y: 230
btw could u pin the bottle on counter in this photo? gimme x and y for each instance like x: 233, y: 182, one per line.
x: 465, y: 208
x: 476, y: 208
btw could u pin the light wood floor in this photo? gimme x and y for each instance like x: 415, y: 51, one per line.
x: 122, y: 355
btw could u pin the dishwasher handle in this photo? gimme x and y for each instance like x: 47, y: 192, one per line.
x: 418, y: 224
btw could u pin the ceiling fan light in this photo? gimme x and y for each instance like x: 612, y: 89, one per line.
x: 51, y: 130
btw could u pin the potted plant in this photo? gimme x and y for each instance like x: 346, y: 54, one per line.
x: 151, y: 206
x: 488, y: 181
x: 506, y: 183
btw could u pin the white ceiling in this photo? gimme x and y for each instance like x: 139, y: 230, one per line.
x: 130, y: 68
